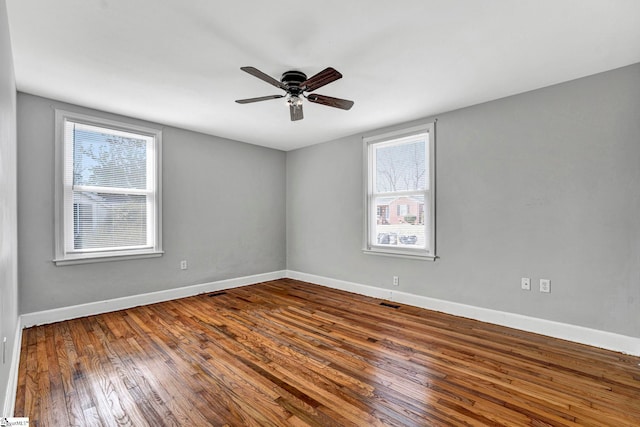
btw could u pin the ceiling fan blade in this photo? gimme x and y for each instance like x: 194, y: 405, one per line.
x: 324, y: 77
x: 296, y: 112
x: 264, y: 77
x: 331, y: 101
x: 262, y: 98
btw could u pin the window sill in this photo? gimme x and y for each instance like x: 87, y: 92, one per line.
x: 88, y: 259
x: 399, y: 254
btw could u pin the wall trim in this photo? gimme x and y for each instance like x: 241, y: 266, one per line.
x: 12, y: 380
x: 98, y: 307
x: 593, y: 337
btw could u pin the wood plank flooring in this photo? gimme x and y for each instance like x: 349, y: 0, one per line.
x: 291, y: 353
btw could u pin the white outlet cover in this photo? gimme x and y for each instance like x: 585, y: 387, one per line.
x: 545, y: 285
x: 525, y: 284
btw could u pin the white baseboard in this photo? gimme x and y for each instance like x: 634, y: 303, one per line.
x: 580, y: 334
x: 593, y: 337
x: 12, y: 380
x: 82, y: 310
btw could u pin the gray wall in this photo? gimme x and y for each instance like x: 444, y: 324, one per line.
x: 543, y: 185
x: 8, y: 202
x: 223, y: 212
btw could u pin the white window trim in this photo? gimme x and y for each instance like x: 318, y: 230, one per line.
x: 64, y: 228
x: 369, y: 246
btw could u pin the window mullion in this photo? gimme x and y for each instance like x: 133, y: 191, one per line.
x: 111, y: 190
x: 400, y: 193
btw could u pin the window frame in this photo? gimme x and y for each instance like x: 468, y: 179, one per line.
x: 370, y: 245
x: 64, y: 210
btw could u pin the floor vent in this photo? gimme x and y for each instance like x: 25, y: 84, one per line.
x: 386, y: 304
x: 217, y: 294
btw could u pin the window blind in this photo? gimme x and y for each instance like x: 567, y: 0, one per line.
x: 111, y: 189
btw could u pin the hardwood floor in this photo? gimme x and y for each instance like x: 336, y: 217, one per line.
x: 291, y: 353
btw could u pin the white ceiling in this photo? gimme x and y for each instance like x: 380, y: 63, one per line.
x: 177, y: 62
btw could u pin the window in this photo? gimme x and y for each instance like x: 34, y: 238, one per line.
x: 400, y: 193
x: 403, y: 210
x: 107, y: 190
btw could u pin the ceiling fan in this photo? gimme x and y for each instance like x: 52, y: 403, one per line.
x: 295, y: 84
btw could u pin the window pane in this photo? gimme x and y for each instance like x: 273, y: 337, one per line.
x: 108, y: 159
x: 401, y: 167
x: 400, y: 222
x: 103, y: 220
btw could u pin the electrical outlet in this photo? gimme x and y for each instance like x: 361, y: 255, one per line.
x: 183, y: 265
x: 396, y: 281
x: 545, y: 285
x: 525, y: 284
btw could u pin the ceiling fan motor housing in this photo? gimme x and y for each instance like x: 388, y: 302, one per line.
x: 292, y: 80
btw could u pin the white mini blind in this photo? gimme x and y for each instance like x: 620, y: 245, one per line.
x: 109, y: 189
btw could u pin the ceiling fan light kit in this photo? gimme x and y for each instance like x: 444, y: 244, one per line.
x: 295, y: 84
